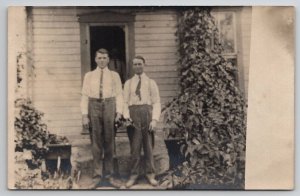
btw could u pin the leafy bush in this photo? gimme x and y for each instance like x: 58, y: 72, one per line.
x: 30, y: 132
x: 210, y: 110
x: 31, y: 140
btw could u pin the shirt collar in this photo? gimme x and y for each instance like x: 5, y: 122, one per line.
x: 104, y: 69
x: 143, y: 75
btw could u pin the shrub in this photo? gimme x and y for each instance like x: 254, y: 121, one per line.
x: 30, y: 132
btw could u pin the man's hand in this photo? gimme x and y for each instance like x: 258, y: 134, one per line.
x: 85, y: 121
x: 152, y: 125
x: 118, y: 117
x: 128, y: 122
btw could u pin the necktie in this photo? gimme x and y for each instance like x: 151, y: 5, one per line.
x: 138, y: 89
x: 101, y: 85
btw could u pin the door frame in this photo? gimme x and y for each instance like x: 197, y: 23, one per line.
x: 125, y: 21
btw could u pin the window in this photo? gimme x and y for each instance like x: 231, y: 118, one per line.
x: 227, y: 31
x: 226, y: 22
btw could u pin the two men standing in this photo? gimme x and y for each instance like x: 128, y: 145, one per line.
x: 103, y: 103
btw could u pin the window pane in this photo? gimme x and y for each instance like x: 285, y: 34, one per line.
x: 226, y: 26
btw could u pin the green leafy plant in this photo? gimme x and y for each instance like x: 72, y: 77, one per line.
x: 210, y: 111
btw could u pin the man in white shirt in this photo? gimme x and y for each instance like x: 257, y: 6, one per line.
x: 101, y: 105
x: 142, y: 106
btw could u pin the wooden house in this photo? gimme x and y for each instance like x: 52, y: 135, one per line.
x: 61, y: 42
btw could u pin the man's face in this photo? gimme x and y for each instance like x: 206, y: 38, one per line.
x: 138, y: 66
x: 102, y: 60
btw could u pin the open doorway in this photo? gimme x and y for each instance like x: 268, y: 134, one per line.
x: 111, y: 38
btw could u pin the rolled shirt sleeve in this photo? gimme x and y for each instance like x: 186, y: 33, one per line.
x: 118, y: 93
x: 84, y: 95
x: 126, y: 93
x: 155, y: 100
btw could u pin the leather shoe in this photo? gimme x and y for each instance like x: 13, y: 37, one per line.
x: 131, y: 181
x: 152, y: 180
x: 96, y: 182
x: 114, y: 182
x: 96, y: 176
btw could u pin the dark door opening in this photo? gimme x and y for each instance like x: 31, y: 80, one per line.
x: 111, y: 38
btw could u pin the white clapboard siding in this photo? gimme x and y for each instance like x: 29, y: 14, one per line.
x: 56, y: 58
x: 160, y: 68
x: 58, y: 103
x: 161, y: 62
x: 168, y: 87
x: 174, y: 80
x: 55, y: 25
x: 57, y: 77
x: 167, y: 94
x: 64, y: 44
x: 57, y: 64
x: 57, y: 96
x: 165, y: 74
x: 56, y: 51
x: 161, y: 49
x: 149, y: 30
x: 57, y: 67
x: 65, y: 123
x: 59, y: 110
x: 156, y: 41
x: 159, y: 56
x: 55, y: 117
x: 158, y: 23
x: 53, y: 38
x: 52, y: 91
x: 158, y: 36
x: 56, y: 31
x: 57, y: 84
x: 57, y: 70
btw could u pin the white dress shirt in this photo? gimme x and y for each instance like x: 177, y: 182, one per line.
x: 149, y: 95
x: 112, y: 87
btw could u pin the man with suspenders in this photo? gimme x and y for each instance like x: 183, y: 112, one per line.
x: 101, y: 106
x: 142, y: 106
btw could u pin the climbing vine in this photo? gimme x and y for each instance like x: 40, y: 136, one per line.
x: 210, y: 111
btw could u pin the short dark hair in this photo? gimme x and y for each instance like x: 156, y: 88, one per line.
x: 140, y: 57
x: 102, y: 51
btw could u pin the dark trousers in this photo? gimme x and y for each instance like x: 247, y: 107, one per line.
x: 140, y: 137
x: 102, y: 115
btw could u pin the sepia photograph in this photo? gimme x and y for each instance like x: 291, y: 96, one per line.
x: 138, y: 97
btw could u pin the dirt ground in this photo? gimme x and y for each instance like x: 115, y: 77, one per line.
x: 141, y: 184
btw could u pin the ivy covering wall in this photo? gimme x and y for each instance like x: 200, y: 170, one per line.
x: 210, y: 111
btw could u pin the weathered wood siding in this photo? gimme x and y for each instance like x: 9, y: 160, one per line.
x: 57, y: 68
x: 57, y: 65
x: 156, y: 41
x: 56, y: 58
